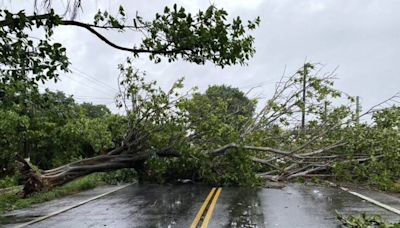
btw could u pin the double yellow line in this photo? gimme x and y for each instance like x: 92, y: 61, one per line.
x: 214, y: 194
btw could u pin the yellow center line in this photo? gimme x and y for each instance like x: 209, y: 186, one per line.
x: 202, y: 208
x: 211, y: 209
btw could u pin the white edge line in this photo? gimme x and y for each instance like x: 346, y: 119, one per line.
x: 387, y: 207
x: 70, y: 207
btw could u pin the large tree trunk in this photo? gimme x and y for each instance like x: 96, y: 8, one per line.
x: 43, y: 180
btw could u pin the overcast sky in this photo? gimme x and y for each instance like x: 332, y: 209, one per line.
x: 361, y: 37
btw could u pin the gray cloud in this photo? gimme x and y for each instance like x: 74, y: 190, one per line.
x: 361, y: 37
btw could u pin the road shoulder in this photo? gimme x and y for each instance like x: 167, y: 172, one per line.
x: 22, y: 216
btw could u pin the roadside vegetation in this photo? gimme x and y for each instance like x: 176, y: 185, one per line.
x: 13, y: 198
x: 365, y: 221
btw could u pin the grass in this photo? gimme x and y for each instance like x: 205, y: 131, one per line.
x: 8, y: 181
x: 396, y: 187
x: 12, y: 199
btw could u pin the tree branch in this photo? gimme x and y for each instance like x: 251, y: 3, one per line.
x: 104, y: 39
x: 90, y: 28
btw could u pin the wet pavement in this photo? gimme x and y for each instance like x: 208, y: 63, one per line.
x: 392, y: 199
x: 176, y: 206
x: 292, y: 206
x: 136, y: 206
x: 17, y: 217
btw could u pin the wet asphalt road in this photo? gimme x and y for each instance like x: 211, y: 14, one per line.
x: 176, y: 206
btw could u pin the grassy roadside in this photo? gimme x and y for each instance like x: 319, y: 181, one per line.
x: 11, y: 200
x: 365, y: 221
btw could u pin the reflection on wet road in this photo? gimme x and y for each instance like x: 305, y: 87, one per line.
x: 292, y: 206
x: 177, y: 206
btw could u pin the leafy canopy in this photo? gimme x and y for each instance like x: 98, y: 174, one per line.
x: 174, y: 34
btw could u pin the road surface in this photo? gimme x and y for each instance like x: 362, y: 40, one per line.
x: 176, y: 206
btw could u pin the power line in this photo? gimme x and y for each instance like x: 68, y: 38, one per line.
x: 85, y: 75
x: 94, y: 101
x: 96, y: 98
x: 93, y: 79
x: 91, y: 86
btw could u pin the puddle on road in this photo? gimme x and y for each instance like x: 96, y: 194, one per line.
x: 244, y: 209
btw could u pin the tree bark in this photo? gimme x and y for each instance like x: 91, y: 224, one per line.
x: 43, y: 180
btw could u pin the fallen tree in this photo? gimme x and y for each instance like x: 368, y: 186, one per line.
x: 43, y: 180
x: 214, y: 137
x: 298, y: 165
x: 162, y: 126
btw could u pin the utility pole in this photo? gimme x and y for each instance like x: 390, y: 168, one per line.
x: 303, y: 113
x: 325, y: 110
x: 358, y: 109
